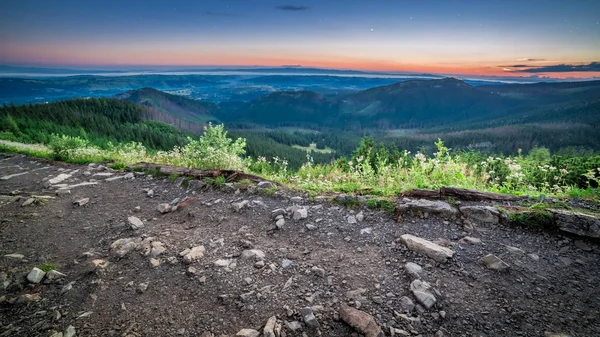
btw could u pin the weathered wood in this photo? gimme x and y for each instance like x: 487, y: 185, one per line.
x: 230, y: 175
x: 462, y: 194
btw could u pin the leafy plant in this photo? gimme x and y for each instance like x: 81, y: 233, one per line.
x: 46, y: 267
x: 64, y: 146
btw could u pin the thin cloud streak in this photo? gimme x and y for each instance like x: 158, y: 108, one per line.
x: 291, y: 8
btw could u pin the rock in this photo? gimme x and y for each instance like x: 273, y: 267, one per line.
x: 253, y: 253
x: 81, y: 202
x: 470, y: 240
x: 514, y: 250
x: 35, y: 275
x: 14, y: 256
x: 534, y: 257
x: 577, y: 223
x: 493, y: 262
x: 360, y: 216
x: 56, y: 180
x: 300, y: 213
x: 193, y: 254
x: 135, y: 222
x: 311, y: 227
x: 157, y: 248
x: 142, y: 287
x: 582, y: 245
x: 280, y: 223
x: 309, y: 318
x: 55, y: 275
x: 429, y: 206
x: 248, y: 333
x: 286, y: 263
x: 28, y: 202
x: 277, y: 212
x: 222, y: 263
x: 318, y: 271
x: 296, y: 199
x: 150, y: 193
x: 154, y: 262
x: 351, y: 220
x: 259, y: 264
x: 122, y: 247
x: 129, y: 175
x: 269, y: 329
x: 428, y: 248
x: 70, y: 331
x: 361, y: 321
x: 485, y: 214
x: 238, y: 206
x: 265, y: 184
x: 406, y: 304
x: 413, y: 269
x: 421, y: 292
x: 164, y: 208
x: 27, y: 298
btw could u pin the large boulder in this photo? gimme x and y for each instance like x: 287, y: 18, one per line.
x: 427, y: 248
x: 577, y: 223
x: 429, y: 206
x: 485, y: 214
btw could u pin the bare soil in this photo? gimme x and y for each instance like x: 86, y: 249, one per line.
x: 557, y: 293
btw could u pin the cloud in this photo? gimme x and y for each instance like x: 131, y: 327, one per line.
x: 561, y: 68
x: 292, y: 8
x: 530, y: 60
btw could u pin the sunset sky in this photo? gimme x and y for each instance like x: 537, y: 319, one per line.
x: 479, y: 37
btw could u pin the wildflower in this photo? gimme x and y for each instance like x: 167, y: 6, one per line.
x: 563, y: 171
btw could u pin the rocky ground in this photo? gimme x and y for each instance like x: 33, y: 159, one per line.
x: 135, y: 255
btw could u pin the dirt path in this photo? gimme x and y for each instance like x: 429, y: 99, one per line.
x: 250, y: 270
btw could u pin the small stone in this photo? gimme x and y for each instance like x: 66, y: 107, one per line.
x: 238, y: 206
x: 311, y: 227
x: 35, y: 275
x: 428, y: 248
x: 137, y: 209
x: 318, y: 271
x: 28, y: 202
x: 406, y: 304
x: 193, y: 254
x: 296, y: 199
x: 70, y: 331
x: 191, y: 271
x: 81, y: 202
x: 14, y: 256
x: 361, y: 321
x: 253, y: 254
x: 413, y: 270
x: 142, y: 287
x: 309, y: 318
x: 150, y: 193
x: 55, y: 275
x: 514, y: 250
x: 122, y: 247
x: 470, y: 240
x: 265, y: 184
x: 222, y: 263
x: 269, y: 329
x: 135, y: 222
x: 534, y: 257
x: 582, y: 245
x: 286, y: 263
x: 154, y: 262
x: 280, y: 223
x: 351, y: 220
x: 157, y: 248
x: 421, y: 291
x: 164, y: 208
x: 494, y: 263
x: 259, y: 264
x: 360, y: 216
x: 367, y: 230
x: 301, y: 213
x: 248, y: 333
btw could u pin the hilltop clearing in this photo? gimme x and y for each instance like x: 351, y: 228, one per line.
x: 139, y: 255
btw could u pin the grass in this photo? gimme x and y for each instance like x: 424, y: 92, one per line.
x: 46, y: 267
x: 532, y: 218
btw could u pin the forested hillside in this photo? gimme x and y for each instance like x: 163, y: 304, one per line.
x: 98, y: 120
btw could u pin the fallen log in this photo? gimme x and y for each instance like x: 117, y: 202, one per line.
x: 230, y: 175
x: 462, y: 194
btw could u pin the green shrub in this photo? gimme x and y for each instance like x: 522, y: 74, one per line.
x: 63, y: 147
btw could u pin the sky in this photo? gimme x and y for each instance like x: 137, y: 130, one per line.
x: 530, y: 38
